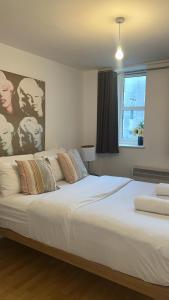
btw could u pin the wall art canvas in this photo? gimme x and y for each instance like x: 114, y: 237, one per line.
x: 22, y: 114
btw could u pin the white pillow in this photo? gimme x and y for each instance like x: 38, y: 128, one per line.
x: 9, y: 177
x: 11, y: 159
x: 9, y: 180
x: 56, y: 169
x: 50, y: 152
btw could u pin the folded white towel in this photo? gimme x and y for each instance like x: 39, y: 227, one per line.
x: 162, y: 189
x: 152, y: 204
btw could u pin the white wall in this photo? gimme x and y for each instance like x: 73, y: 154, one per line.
x: 70, y: 122
x: 63, y: 93
x: 156, y: 151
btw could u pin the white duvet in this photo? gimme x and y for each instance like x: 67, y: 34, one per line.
x: 95, y: 219
x: 112, y: 233
x: 51, y: 216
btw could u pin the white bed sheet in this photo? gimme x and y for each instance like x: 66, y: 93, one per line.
x: 112, y: 233
x: 107, y: 230
x: 14, y: 208
x: 50, y: 215
x: 97, y: 222
x: 13, y: 213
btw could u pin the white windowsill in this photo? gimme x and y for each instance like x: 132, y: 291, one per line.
x: 131, y: 146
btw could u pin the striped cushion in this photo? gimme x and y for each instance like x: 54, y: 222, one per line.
x: 36, y: 177
x: 72, y: 166
x: 67, y: 167
x: 78, y: 163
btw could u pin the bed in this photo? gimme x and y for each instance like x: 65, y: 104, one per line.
x: 92, y: 224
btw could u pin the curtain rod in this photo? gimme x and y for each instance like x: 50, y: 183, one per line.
x: 137, y: 71
x: 105, y: 69
x: 144, y: 70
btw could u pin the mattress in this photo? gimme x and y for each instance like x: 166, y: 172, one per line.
x: 13, y: 213
x: 95, y: 219
x: 112, y: 233
x: 50, y: 215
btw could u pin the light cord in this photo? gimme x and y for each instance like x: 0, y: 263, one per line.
x: 119, y: 31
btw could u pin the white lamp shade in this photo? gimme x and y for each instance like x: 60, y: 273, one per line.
x: 88, y: 153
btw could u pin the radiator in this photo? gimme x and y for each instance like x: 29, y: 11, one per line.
x: 150, y: 174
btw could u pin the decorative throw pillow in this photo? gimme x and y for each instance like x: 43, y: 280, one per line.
x: 51, y: 152
x: 36, y: 177
x: 72, y: 166
x: 67, y: 167
x: 78, y: 163
x: 9, y: 177
x: 56, y: 169
x: 9, y: 180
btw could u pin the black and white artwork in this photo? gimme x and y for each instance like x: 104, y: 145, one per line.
x: 22, y: 114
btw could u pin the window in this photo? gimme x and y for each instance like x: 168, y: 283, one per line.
x: 132, y: 91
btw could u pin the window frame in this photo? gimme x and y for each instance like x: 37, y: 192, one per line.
x: 122, y: 108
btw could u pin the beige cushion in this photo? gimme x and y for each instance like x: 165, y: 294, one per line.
x: 9, y: 176
x: 67, y: 167
x: 56, y: 169
x: 36, y: 177
x: 51, y: 152
x: 9, y: 179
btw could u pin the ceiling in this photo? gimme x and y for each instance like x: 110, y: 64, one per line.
x: 82, y: 33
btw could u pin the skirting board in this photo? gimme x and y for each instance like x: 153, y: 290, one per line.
x: 154, y: 291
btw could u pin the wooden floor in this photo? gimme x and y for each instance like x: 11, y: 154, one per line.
x: 26, y: 274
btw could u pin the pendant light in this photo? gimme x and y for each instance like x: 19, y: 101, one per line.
x: 119, y: 53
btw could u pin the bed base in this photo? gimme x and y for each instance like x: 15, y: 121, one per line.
x: 154, y: 291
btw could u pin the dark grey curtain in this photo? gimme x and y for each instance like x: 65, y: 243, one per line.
x: 107, y: 113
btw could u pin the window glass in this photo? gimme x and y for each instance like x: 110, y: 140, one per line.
x: 132, y: 108
x: 134, y: 91
x: 131, y: 120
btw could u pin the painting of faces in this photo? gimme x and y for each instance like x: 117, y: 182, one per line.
x: 22, y: 114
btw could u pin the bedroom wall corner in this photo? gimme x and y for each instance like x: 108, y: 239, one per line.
x: 63, y: 93
x: 89, y: 107
x: 156, y: 151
